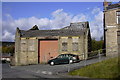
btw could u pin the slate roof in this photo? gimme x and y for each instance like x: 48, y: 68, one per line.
x: 78, y: 25
x: 72, y: 30
x: 113, y: 6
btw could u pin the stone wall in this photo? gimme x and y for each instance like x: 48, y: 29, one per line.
x: 111, y: 42
x: 110, y: 18
x: 111, y: 28
x: 118, y: 39
x: 26, y: 48
x: 28, y: 51
x: 15, y: 58
x: 82, y: 45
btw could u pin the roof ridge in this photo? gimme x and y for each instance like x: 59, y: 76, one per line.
x: 79, y: 22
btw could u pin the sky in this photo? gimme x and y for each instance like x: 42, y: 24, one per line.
x: 50, y: 15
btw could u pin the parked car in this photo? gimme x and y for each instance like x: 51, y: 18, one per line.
x: 64, y: 58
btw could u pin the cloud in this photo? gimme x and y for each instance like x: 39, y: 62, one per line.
x: 59, y: 19
x: 97, y: 24
x: 7, y: 36
x: 88, y: 8
x: 79, y: 18
x: 95, y: 10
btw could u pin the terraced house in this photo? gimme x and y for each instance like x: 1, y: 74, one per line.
x: 36, y: 46
x: 112, y: 28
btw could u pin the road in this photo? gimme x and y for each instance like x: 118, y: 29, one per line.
x: 44, y: 71
x: 8, y: 72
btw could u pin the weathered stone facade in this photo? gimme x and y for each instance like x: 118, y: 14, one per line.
x: 118, y: 39
x: 111, y: 25
x: 73, y: 39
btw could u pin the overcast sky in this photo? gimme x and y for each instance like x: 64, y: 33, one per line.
x: 50, y: 15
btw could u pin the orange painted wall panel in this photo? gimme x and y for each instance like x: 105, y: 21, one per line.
x: 48, y: 49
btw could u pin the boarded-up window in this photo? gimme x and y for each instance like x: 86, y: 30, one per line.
x: 64, y: 46
x: 64, y: 43
x: 75, y: 43
x: 118, y: 17
x: 31, y: 44
x: 23, y: 45
x: 75, y: 46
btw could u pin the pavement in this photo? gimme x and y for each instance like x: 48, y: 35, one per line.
x: 46, y: 71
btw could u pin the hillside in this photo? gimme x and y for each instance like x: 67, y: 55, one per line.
x: 104, y: 69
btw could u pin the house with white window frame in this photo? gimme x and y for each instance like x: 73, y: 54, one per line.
x: 111, y: 28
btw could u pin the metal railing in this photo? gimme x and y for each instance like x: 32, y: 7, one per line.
x: 98, y: 55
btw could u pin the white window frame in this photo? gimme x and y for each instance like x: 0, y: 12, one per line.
x: 117, y: 16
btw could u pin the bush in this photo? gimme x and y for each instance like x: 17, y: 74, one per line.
x: 8, y: 49
x: 97, y: 45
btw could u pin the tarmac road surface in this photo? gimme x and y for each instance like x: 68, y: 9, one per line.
x: 45, y: 71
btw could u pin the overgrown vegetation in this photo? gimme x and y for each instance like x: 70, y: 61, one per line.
x: 97, y: 45
x: 8, y: 49
x: 104, y: 69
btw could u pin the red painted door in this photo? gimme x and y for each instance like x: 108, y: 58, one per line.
x: 48, y: 49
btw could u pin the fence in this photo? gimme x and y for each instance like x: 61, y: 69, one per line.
x: 99, y: 55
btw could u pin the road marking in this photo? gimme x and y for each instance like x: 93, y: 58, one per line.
x: 38, y: 71
x: 50, y: 73
x: 46, y: 72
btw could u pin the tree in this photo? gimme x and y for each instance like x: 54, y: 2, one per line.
x: 8, y: 49
x: 96, y: 45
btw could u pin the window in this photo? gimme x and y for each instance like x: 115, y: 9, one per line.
x: 64, y: 46
x: 118, y: 17
x: 64, y: 43
x: 23, y: 45
x: 31, y: 45
x: 75, y: 43
x: 75, y: 46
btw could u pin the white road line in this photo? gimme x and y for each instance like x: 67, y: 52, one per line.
x: 38, y: 71
x: 44, y: 72
x: 50, y: 73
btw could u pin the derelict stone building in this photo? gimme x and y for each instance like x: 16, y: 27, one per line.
x: 112, y: 28
x: 36, y: 46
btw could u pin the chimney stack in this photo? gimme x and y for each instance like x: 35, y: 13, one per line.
x: 106, y: 4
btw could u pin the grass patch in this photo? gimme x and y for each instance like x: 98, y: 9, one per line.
x: 104, y: 69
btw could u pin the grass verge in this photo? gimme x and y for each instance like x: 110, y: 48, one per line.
x: 104, y: 69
